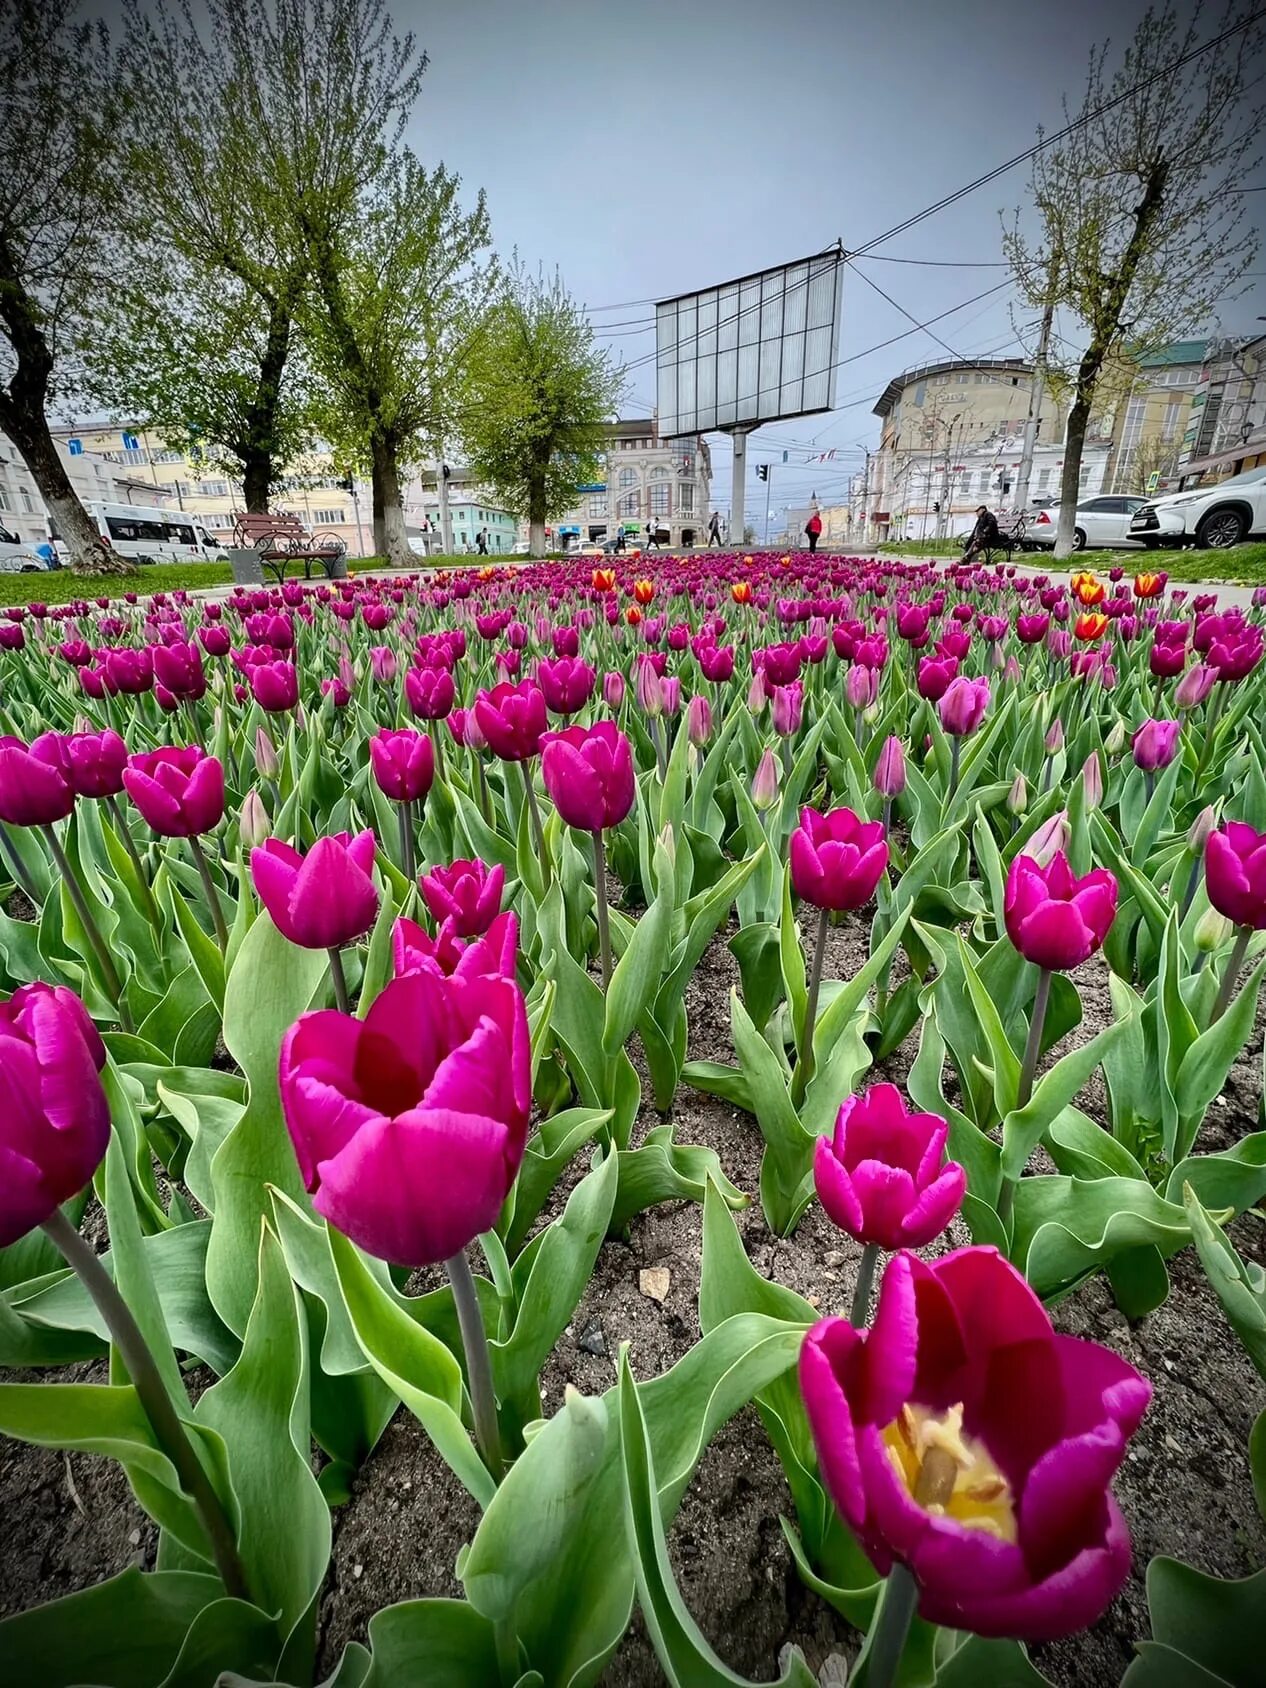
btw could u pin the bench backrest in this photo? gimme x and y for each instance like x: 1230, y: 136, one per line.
x: 273, y: 525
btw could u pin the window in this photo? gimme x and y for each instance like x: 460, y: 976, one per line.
x: 4, y: 500
x: 26, y: 499
x: 134, y: 457
x: 213, y: 489
x: 598, y: 504
x: 180, y: 533
x: 686, y: 497
x: 963, y: 378
x: 983, y: 482
x: 630, y: 504
x: 628, y: 477
x: 1043, y: 479
x: 166, y: 456
x: 128, y: 528
x: 660, y: 499
x: 1135, y: 412
x: 131, y: 442
x: 217, y: 519
x: 1173, y: 416
x: 660, y: 474
x: 329, y: 518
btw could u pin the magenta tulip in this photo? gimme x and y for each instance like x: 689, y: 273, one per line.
x: 890, y: 769
x: 1235, y: 874
x: 837, y: 859
x: 1155, y: 744
x: 963, y: 1438
x: 321, y: 900
x: 403, y: 763
x: 566, y: 682
x: 512, y: 719
x: 179, y: 791
x: 588, y: 772
x: 1054, y: 919
x: 409, y: 1126
x: 934, y: 676
x: 178, y: 669
x: 274, y: 686
x: 93, y: 763
x: 54, y: 1117
x: 494, y: 952
x: 429, y: 692
x: 963, y: 705
x: 882, y: 1177
x: 33, y: 790
x: 466, y: 892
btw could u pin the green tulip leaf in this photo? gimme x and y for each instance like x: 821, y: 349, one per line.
x: 637, y: 975
x: 659, y: 1170
x: 550, y: 1148
x: 787, y: 1161
x: 1206, y: 1632
x: 1238, y: 1284
x: 1024, y: 1128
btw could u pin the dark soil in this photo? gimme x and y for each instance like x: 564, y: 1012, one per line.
x: 1184, y: 1487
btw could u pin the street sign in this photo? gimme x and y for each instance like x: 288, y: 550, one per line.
x: 1153, y: 480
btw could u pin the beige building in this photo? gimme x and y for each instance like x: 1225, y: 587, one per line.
x: 648, y: 478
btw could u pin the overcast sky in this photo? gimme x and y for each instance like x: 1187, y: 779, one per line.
x: 648, y: 147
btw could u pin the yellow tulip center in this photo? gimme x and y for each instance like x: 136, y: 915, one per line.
x: 949, y: 1473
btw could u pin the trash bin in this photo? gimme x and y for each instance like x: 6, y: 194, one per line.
x: 246, y: 566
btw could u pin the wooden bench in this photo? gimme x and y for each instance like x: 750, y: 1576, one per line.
x: 280, y: 538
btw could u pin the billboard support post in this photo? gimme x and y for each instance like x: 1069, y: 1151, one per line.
x: 738, y: 485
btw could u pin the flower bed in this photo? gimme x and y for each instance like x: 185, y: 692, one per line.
x: 448, y: 980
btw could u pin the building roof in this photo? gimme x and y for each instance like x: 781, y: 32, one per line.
x: 1181, y: 351
x: 892, y: 392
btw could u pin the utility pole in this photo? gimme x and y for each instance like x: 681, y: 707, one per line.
x: 942, y: 516
x: 738, y: 483
x: 446, y: 520
x: 769, y: 471
x: 1036, y: 389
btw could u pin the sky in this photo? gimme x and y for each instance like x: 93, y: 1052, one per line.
x: 649, y: 147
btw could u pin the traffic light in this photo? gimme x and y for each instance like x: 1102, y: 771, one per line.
x: 936, y: 508
x: 348, y: 484
x: 762, y: 471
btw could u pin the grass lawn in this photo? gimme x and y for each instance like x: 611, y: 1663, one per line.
x: 61, y: 586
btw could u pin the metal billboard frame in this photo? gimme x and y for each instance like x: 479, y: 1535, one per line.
x: 740, y: 334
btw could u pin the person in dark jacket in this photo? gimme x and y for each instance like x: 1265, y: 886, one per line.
x: 985, y: 535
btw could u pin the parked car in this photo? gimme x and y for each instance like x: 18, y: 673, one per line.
x: 1211, y: 517
x: 151, y: 534
x: 19, y: 558
x: 1100, y: 521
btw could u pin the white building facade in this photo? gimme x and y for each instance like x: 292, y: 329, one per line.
x: 23, y: 512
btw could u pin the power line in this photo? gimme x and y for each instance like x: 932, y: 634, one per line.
x: 1080, y: 122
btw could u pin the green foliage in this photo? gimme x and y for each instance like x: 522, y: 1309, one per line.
x: 539, y: 395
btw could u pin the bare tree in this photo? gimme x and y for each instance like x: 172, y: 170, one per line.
x: 1143, y: 224
x: 60, y: 189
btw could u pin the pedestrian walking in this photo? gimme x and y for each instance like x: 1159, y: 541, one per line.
x: 481, y: 542
x: 652, y: 543
x: 714, y: 530
x: 813, y: 528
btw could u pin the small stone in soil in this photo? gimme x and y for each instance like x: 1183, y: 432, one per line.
x: 653, y: 1281
x: 593, y: 1339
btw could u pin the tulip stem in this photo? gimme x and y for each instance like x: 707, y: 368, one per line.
x: 859, y: 1313
x: 407, y: 860
x: 212, y: 895
x: 1193, y: 883
x: 1149, y: 784
x: 534, y: 813
x: 887, y: 1639
x: 485, y: 800
x: 804, y: 1066
x: 604, y: 919
x: 1028, y: 1071
x: 1232, y: 973
x: 956, y: 748
x: 92, y: 931
x: 134, y: 856
x: 478, y: 1364
x: 168, y: 1430
x: 342, y: 1000
x: 1210, y: 726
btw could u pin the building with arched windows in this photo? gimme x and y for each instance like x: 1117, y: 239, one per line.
x: 648, y: 478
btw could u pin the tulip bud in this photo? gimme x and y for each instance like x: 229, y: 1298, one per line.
x: 1051, y: 837
x: 1198, y: 832
x: 1212, y: 931
x: 890, y: 769
x: 253, y: 824
x: 1018, y: 796
x: 1092, y: 781
x: 1194, y: 686
x: 649, y: 691
x: 1114, y: 744
x: 1055, y: 736
x: 756, y: 693
x: 699, y: 721
x: 765, y: 782
x: 267, y: 762
x: 613, y: 689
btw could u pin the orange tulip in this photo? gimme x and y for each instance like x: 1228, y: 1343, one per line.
x: 785, y: 561
x: 632, y: 615
x: 487, y: 572
x: 643, y: 591
x: 1148, y: 585
x: 603, y: 580
x: 1088, y: 589
x: 1091, y: 626
x: 741, y: 591
x: 747, y: 562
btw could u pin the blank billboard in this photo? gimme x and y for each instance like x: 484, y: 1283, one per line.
x: 759, y: 349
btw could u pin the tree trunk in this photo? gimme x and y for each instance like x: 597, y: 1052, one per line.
x: 393, y: 542
x: 1070, y: 477
x: 259, y: 447
x: 536, y: 519
x: 379, y: 514
x: 23, y: 419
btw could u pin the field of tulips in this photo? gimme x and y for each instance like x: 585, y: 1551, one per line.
x: 698, y: 1122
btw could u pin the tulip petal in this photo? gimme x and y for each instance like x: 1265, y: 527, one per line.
x: 1063, y: 1510
x: 417, y: 1189
x: 25, y: 1202
x: 830, y: 1357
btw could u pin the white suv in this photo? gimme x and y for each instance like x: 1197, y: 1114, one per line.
x: 1212, y: 517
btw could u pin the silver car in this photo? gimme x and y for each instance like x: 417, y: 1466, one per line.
x: 1103, y: 520
x: 17, y: 558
